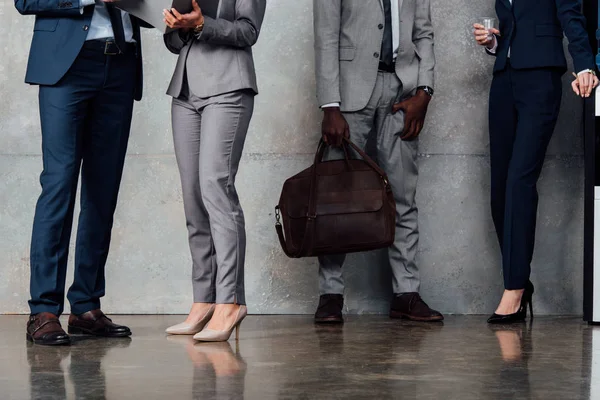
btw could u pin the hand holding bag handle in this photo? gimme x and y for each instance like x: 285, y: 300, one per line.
x: 307, y: 243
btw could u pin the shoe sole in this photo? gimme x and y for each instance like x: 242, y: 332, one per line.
x: 81, y: 331
x: 399, y: 315
x: 61, y: 342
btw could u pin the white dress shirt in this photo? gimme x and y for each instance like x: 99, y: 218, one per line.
x: 395, y: 36
x: 100, y: 27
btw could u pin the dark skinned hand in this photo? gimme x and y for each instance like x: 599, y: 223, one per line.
x: 415, y: 109
x: 334, y: 128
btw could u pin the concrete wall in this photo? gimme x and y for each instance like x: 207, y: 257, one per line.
x: 149, y: 266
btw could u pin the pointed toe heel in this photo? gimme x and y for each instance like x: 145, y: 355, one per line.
x: 209, y: 335
x: 521, y: 314
x: 191, y: 329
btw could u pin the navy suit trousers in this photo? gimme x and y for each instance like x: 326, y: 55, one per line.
x: 524, y: 107
x: 85, y: 121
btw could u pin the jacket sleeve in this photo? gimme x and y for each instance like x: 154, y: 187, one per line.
x: 243, y: 32
x: 49, y: 8
x: 423, y: 41
x: 175, y: 40
x: 327, y: 23
x: 573, y: 24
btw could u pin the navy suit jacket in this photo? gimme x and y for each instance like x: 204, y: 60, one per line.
x: 58, y: 36
x: 534, y: 32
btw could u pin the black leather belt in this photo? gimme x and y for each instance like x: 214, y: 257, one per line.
x: 387, y: 68
x: 109, y: 47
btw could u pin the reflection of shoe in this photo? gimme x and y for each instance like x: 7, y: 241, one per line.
x: 515, y: 342
x: 97, y: 324
x: 181, y: 339
x: 330, y: 309
x: 191, y: 329
x: 521, y: 314
x: 411, y: 306
x: 222, y: 358
x: 45, y: 329
x: 47, y: 358
x: 209, y: 335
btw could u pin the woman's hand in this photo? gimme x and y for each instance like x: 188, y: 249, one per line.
x: 584, y: 84
x: 484, y: 37
x: 176, y: 20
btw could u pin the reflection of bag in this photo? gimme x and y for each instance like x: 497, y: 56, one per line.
x: 340, y: 206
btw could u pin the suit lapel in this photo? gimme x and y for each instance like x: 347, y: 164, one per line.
x: 506, y: 3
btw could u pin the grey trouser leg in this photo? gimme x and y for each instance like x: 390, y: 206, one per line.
x: 398, y: 159
x: 209, y: 137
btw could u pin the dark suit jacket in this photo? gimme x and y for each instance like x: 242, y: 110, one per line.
x: 58, y: 36
x: 534, y: 32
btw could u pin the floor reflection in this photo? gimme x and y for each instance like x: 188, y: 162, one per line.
x: 516, y: 348
x: 219, y: 372
x: 46, y: 371
x: 85, y: 371
x: 288, y: 357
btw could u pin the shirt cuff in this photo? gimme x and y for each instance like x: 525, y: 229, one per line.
x: 330, y: 105
x: 85, y: 3
x: 585, y: 71
x: 493, y: 49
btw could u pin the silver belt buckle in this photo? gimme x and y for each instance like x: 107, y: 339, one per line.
x: 106, y: 48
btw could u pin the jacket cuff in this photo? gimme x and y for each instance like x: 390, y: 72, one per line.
x: 426, y: 81
x: 208, y: 30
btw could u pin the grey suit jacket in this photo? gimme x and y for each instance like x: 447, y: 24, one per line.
x: 219, y: 60
x: 348, y: 42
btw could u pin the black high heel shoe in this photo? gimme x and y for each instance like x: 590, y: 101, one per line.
x: 521, y: 314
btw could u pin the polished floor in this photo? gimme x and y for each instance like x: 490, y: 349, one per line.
x: 287, y: 357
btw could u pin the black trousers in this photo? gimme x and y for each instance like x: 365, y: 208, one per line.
x: 85, y: 122
x: 524, y: 107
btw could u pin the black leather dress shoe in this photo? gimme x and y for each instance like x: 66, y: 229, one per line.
x: 330, y: 309
x: 411, y: 306
x: 96, y: 323
x: 45, y: 329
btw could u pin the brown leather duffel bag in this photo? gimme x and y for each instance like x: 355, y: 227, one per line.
x: 340, y: 206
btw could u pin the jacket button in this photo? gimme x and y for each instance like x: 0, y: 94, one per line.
x: 85, y: 27
x: 376, y: 55
x: 380, y: 26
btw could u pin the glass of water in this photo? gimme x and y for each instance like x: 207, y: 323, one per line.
x: 489, y: 23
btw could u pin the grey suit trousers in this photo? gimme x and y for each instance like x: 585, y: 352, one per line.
x: 398, y: 159
x: 209, y: 135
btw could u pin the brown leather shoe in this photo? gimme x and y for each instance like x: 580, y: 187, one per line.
x: 96, y: 323
x: 45, y: 329
x: 330, y: 309
x: 411, y: 306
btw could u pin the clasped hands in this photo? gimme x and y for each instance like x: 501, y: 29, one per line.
x: 583, y: 85
x: 174, y: 19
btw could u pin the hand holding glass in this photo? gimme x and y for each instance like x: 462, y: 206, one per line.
x: 484, y: 32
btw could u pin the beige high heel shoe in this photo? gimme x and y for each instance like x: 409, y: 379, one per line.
x: 191, y: 329
x: 209, y: 335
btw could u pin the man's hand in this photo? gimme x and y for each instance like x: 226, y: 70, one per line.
x: 334, y: 128
x: 188, y: 21
x: 415, y: 109
x: 482, y: 36
x: 585, y: 84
